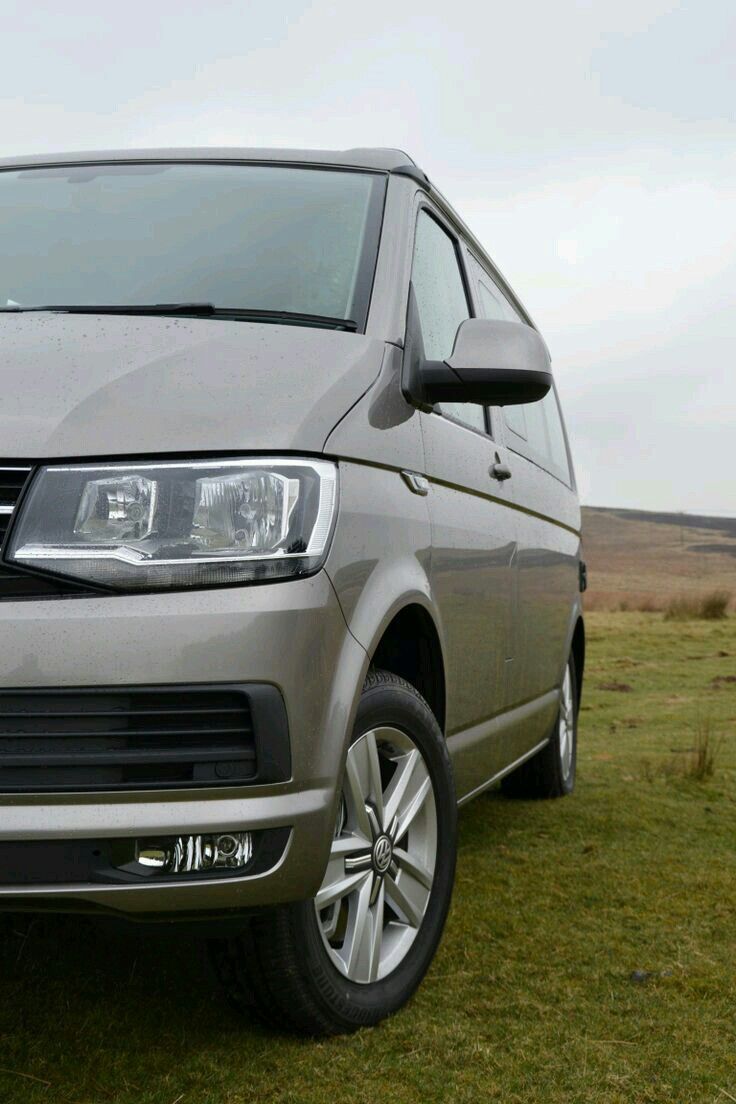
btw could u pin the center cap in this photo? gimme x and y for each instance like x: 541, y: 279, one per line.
x: 382, y: 854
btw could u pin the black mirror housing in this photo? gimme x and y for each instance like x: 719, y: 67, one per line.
x: 492, y: 362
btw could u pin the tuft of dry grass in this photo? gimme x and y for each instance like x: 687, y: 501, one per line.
x: 697, y: 762
x: 700, y: 762
x: 628, y: 601
x: 712, y: 606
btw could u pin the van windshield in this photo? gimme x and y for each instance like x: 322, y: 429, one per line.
x: 237, y: 237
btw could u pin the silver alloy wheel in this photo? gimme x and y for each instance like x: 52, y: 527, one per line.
x: 566, y: 723
x: 381, y: 868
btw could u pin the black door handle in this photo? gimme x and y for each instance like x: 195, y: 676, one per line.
x: 499, y: 471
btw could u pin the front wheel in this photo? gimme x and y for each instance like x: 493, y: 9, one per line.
x: 358, y: 951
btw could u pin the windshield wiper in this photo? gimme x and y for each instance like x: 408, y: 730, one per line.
x: 198, y: 309
x: 194, y: 310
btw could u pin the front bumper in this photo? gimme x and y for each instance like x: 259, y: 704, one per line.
x: 290, y: 634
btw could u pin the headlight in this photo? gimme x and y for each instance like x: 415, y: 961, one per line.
x: 208, y: 523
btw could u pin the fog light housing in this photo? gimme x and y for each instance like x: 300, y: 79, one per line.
x: 194, y: 854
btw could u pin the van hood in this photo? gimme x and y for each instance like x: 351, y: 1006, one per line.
x: 106, y: 385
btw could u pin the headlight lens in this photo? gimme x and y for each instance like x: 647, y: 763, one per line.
x: 208, y: 523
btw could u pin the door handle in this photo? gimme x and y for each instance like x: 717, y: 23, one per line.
x: 499, y: 471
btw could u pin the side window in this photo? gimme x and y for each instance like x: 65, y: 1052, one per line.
x: 492, y: 303
x: 536, y: 428
x: 442, y: 303
x: 556, y: 434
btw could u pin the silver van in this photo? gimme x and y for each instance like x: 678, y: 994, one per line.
x: 290, y: 559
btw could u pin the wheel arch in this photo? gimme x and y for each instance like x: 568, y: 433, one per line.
x: 577, y: 647
x: 409, y: 646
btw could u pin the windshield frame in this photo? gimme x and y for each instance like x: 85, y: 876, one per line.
x: 368, y: 260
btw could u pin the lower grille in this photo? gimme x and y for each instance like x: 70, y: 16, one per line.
x: 140, y: 738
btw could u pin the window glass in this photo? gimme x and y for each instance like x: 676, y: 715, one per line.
x: 556, y: 434
x: 442, y: 303
x: 494, y: 305
x: 515, y: 420
x: 536, y: 428
x: 237, y: 236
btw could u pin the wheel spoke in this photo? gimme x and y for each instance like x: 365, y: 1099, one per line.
x: 335, y: 891
x: 329, y: 927
x: 408, y: 896
x: 357, y: 948
x: 397, y: 789
x: 374, y: 774
x: 356, y: 786
x: 410, y: 810
x: 348, y: 845
x: 414, y: 867
x: 377, y: 933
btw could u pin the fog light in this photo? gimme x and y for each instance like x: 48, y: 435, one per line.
x: 187, y: 854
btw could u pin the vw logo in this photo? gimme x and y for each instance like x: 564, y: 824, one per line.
x: 382, y: 853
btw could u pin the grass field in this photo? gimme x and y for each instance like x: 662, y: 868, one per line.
x: 589, y: 956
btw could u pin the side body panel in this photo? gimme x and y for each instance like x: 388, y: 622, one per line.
x: 547, y: 585
x: 473, y: 546
x: 546, y: 596
x: 380, y: 557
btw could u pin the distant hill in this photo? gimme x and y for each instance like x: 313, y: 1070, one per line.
x: 640, y: 558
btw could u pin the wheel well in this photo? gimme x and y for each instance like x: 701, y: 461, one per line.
x: 578, y: 652
x: 410, y: 648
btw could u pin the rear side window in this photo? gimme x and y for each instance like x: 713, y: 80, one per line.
x: 442, y: 303
x: 556, y: 435
x: 536, y: 428
x: 536, y: 432
x: 493, y: 304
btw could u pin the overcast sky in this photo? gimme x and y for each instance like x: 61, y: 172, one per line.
x: 590, y: 146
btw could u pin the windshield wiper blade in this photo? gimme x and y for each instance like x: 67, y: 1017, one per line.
x: 197, y: 309
x: 194, y: 310
x: 289, y: 318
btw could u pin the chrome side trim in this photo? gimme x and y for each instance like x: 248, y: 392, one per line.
x: 502, y: 773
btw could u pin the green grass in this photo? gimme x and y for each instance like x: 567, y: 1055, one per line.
x: 531, y: 997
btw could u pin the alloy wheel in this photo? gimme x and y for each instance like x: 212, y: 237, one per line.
x: 566, y: 723
x: 379, y: 876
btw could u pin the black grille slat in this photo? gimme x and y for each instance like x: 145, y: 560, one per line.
x: 75, y: 740
x: 232, y: 730
x: 126, y: 755
x: 118, y: 713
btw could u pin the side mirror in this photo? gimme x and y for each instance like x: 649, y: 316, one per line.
x: 493, y: 362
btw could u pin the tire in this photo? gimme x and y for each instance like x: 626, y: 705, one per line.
x: 307, y: 971
x: 551, y: 772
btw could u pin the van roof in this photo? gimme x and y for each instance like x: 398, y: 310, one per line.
x: 377, y: 159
